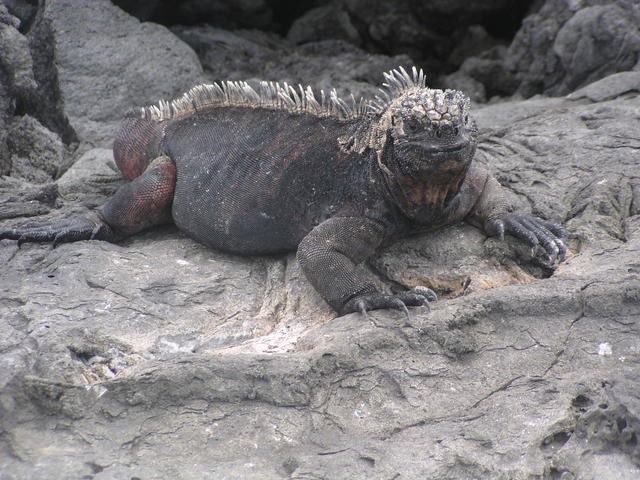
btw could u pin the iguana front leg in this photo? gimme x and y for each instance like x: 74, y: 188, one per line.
x: 329, y: 256
x: 490, y: 213
x: 139, y: 204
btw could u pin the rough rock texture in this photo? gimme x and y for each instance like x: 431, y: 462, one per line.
x: 568, y: 44
x: 428, y: 31
x: 562, y: 46
x: 324, y: 23
x: 96, y: 92
x: 36, y: 152
x: 250, y: 54
x: 235, y: 14
x: 16, y: 73
x: 159, y: 358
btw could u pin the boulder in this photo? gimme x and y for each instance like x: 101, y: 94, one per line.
x: 37, y: 154
x: 324, y: 23
x: 220, y: 13
x: 255, y: 55
x: 566, y: 45
x: 106, y: 67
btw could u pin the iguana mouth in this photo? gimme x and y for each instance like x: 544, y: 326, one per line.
x: 438, y: 148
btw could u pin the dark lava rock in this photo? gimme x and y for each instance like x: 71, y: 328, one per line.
x: 36, y: 153
x: 221, y: 13
x: 324, y: 23
x: 251, y: 54
x: 145, y: 62
x: 566, y: 44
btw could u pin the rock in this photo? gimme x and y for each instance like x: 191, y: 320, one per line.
x: 108, y: 66
x: 567, y: 45
x: 111, y: 352
x: 457, y: 260
x: 470, y: 86
x: 92, y: 178
x: 241, y: 13
x: 152, y: 10
x: 438, y: 35
x: 219, y: 13
x: 475, y: 41
x: 243, y: 55
x: 609, y: 87
x: 488, y: 70
x: 14, y: 51
x: 44, y: 102
x: 323, y: 23
x: 36, y: 153
x: 393, y: 27
x: 580, y: 47
x: 5, y: 114
x: 233, y: 55
x: 23, y: 10
x: 16, y: 74
x: 462, y: 8
x: 24, y: 199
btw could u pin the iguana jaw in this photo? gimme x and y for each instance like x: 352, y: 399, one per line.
x: 431, y: 148
x: 431, y: 158
x: 451, y: 148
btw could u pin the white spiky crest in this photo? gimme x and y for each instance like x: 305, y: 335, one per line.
x: 398, y: 81
x: 282, y: 96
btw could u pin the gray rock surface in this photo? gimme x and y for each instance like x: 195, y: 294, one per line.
x: 255, y: 55
x: 568, y: 44
x: 159, y: 358
x: 324, y: 23
x: 145, y: 62
x: 36, y: 153
x: 560, y: 47
x: 221, y: 13
x: 16, y: 72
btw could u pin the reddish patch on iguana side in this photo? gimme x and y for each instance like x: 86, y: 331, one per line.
x: 145, y: 201
x: 137, y: 145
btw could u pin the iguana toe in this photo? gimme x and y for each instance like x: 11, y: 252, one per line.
x: 534, y: 231
x: 60, y: 231
x: 415, y: 297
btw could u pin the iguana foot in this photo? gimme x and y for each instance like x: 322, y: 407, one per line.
x: 87, y: 227
x: 415, y: 297
x: 532, y: 230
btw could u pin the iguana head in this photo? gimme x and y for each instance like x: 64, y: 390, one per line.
x: 427, y: 132
x: 431, y: 127
x: 425, y: 140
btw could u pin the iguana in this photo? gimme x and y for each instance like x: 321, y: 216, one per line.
x: 275, y: 168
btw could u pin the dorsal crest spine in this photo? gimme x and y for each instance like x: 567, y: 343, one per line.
x: 282, y: 96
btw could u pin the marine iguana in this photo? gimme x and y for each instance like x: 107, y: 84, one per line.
x: 276, y: 169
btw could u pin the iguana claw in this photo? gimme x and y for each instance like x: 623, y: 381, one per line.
x: 532, y: 230
x: 415, y: 297
x: 60, y: 231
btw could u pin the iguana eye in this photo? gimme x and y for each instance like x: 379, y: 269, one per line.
x: 410, y: 125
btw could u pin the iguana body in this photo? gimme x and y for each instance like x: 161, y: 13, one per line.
x: 275, y: 170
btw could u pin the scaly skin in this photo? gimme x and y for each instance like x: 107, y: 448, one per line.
x: 287, y: 172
